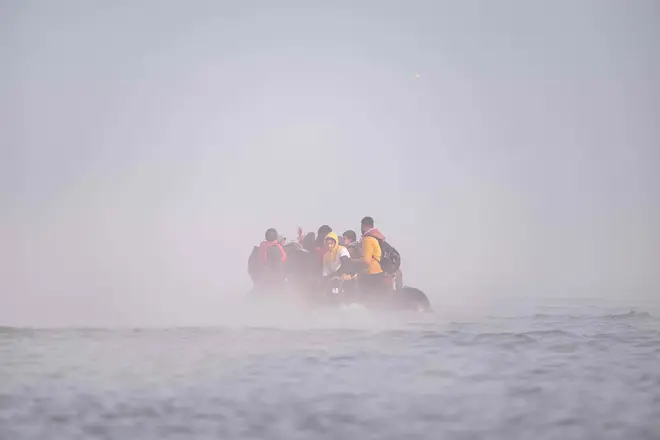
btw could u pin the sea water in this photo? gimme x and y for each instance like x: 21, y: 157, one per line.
x: 561, y: 372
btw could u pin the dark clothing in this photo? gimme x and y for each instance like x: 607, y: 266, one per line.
x: 376, y: 280
x: 348, y: 267
x: 352, y: 267
x: 372, y: 284
x: 309, y: 242
x: 354, y: 249
x: 351, y: 291
x: 254, y: 264
x: 374, y: 291
x: 302, y: 267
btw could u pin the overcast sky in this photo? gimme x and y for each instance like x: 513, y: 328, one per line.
x: 147, y: 146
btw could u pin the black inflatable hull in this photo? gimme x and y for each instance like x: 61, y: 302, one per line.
x: 405, y: 299
x: 411, y: 298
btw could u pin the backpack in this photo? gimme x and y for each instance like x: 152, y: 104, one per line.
x: 390, y: 259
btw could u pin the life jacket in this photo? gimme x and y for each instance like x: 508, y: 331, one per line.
x: 263, y: 251
x: 320, y: 251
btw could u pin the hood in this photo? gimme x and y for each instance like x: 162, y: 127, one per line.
x: 332, y: 254
x: 335, y: 238
x: 374, y: 232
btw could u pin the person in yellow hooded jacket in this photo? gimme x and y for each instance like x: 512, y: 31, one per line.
x: 336, y: 256
x: 372, y: 282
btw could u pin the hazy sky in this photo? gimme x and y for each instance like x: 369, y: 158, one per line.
x: 148, y: 145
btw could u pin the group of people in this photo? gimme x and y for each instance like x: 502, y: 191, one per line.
x: 368, y: 266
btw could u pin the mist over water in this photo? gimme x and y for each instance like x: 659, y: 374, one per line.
x: 509, y: 150
x: 148, y: 146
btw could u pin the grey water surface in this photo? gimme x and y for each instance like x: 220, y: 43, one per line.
x: 557, y: 373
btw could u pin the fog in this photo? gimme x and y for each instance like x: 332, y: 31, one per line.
x: 507, y: 149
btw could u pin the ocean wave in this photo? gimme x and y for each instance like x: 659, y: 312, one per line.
x: 632, y: 314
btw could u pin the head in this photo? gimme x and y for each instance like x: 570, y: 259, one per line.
x: 309, y: 241
x: 281, y: 239
x: 331, y: 241
x: 366, y: 224
x: 323, y: 231
x: 349, y: 237
x: 271, y: 235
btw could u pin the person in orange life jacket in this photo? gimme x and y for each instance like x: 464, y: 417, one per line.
x: 272, y: 259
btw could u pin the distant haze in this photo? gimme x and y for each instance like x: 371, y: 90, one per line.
x: 505, y: 148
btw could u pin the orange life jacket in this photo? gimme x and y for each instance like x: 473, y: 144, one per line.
x: 263, y: 250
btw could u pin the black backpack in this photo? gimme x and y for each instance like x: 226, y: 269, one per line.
x: 390, y: 259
